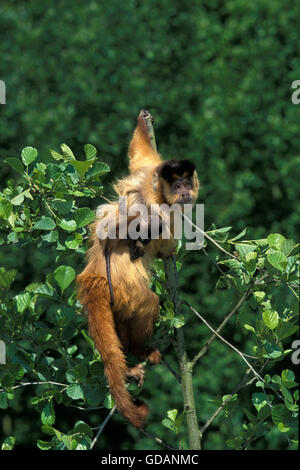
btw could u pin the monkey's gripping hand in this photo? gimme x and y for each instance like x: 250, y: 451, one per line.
x: 137, y: 247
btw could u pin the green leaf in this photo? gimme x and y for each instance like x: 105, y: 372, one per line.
x: 3, y: 400
x: 278, y: 260
x: 243, y: 249
x: 98, y: 169
x: 81, y: 167
x: 287, y: 247
x: 275, y: 240
x: 270, y: 318
x: 233, y: 264
x: 43, y: 445
x: 280, y: 415
x: 7, y: 380
x: 287, y: 375
x: 16, y: 370
x: 7, y: 277
x: 287, y: 395
x: 8, y: 443
x: 5, y: 208
x: 16, y: 164
x: 172, y: 414
x: 48, y: 429
x: 64, y: 275
x: 28, y: 155
x: 264, y: 413
x: 19, y: 199
x: 259, y: 400
x: 73, y: 242
x: 56, y: 156
x: 48, y: 415
x: 178, y: 321
x: 109, y: 402
x: 250, y: 261
x: 44, y: 223
x: 83, y: 217
x: 62, y: 206
x: 75, y: 392
x: 90, y: 152
x: 50, y: 237
x: 67, y: 440
x: 68, y: 225
x: 220, y: 230
x: 169, y: 424
x: 23, y: 301
x: 83, y: 428
x: 259, y: 295
x: 273, y: 351
x: 240, y: 235
x: 68, y: 154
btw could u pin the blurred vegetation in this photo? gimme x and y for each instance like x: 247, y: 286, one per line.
x: 217, y: 78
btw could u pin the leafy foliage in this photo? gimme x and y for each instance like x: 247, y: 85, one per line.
x: 217, y: 78
x: 42, y: 324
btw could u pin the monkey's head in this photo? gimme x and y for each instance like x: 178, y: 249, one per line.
x: 177, y: 181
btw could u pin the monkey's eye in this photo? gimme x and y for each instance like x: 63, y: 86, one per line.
x: 187, y: 184
x: 176, y: 186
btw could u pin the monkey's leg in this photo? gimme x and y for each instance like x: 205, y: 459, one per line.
x: 141, y: 330
x: 122, y: 328
x: 136, y: 373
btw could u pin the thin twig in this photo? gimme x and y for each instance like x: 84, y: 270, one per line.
x: 218, y: 411
x: 225, y: 341
x: 237, y: 389
x: 177, y: 376
x: 209, y: 238
x: 220, y: 328
x: 103, y: 426
x: 157, y: 439
x: 24, y: 384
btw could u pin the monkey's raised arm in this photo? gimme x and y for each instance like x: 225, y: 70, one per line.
x: 141, y: 152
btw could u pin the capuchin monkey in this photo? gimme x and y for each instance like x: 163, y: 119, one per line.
x: 114, y: 286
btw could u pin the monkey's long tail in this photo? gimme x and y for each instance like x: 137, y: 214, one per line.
x: 94, y: 294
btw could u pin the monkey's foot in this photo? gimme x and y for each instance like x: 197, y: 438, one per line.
x: 154, y: 356
x: 144, y: 114
x: 137, y: 374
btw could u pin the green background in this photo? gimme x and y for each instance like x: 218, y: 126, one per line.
x: 217, y: 78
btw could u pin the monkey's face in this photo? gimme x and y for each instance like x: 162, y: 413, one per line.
x: 179, y: 182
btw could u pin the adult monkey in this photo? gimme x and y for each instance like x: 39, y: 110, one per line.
x: 114, y: 286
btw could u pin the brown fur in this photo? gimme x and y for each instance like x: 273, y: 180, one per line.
x: 129, y: 323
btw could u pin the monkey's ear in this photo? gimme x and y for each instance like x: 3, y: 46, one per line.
x: 170, y: 167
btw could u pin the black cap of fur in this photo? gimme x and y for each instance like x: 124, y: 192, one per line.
x: 178, y: 167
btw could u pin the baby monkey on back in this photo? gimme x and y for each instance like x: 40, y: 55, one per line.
x: 121, y: 307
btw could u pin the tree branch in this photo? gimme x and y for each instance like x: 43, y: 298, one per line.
x: 157, y: 440
x: 194, y: 435
x: 220, y: 328
x: 225, y: 341
x: 102, y: 426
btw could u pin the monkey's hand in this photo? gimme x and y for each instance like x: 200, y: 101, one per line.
x: 137, y: 248
x: 137, y: 374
